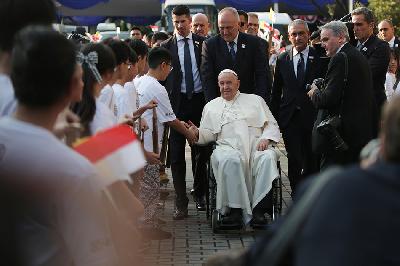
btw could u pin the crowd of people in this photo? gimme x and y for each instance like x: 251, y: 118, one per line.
x: 234, y: 89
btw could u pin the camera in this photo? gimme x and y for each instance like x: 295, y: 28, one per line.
x: 328, y: 128
x: 319, y: 82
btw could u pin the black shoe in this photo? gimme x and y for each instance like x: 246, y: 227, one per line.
x: 155, y: 233
x: 200, y: 203
x: 180, y: 214
x: 234, y: 217
x: 258, y: 219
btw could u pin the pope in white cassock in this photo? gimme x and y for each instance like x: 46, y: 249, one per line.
x: 245, y: 160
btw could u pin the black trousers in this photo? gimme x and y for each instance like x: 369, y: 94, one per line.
x: 302, y: 162
x: 189, y: 110
x: 331, y: 158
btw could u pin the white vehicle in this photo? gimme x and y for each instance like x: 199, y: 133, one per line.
x: 206, y: 7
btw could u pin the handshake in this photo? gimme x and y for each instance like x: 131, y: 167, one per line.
x: 192, y: 132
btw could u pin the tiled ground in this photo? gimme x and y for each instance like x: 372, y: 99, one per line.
x: 193, y: 241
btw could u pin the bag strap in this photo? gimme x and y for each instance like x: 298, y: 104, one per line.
x: 273, y: 253
x: 396, y: 83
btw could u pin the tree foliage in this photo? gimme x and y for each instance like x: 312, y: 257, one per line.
x: 387, y: 9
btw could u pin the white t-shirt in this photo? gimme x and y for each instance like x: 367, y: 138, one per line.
x: 125, y: 105
x: 130, y: 87
x: 103, y: 118
x: 8, y: 103
x: 389, y: 83
x: 148, y: 88
x: 64, y: 225
x: 107, y: 97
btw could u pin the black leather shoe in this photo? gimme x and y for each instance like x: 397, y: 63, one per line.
x: 258, y: 219
x: 180, y: 214
x: 200, y: 203
x: 234, y: 217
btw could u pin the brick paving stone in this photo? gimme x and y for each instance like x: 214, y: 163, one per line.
x: 193, y: 240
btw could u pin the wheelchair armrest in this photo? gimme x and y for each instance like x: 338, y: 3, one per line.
x: 210, y: 145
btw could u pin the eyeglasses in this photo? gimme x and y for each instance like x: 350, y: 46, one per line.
x: 242, y: 24
x: 170, y: 65
x: 129, y: 64
x: 295, y: 34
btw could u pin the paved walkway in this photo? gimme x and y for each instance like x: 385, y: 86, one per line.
x: 193, y: 241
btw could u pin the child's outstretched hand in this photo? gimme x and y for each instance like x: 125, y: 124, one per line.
x: 150, y: 105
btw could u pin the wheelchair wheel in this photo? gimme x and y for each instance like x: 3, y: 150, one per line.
x: 276, y: 198
x: 215, y: 221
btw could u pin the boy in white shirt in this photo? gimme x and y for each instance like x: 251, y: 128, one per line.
x: 58, y: 212
x: 148, y: 89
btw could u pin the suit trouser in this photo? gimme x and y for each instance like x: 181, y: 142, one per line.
x: 302, y: 162
x: 332, y: 158
x: 189, y: 110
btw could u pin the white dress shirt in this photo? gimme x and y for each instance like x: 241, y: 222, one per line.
x: 180, y: 41
x: 296, y: 58
x: 235, y: 41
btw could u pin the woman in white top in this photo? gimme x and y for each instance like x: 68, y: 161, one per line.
x: 94, y: 114
x: 98, y: 63
x: 392, y: 83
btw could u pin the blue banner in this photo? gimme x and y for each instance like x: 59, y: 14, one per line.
x: 80, y: 4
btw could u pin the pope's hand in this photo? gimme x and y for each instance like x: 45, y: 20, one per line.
x: 191, y: 136
x: 263, y: 144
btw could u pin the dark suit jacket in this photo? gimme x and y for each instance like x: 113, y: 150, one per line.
x: 358, y: 100
x: 288, y: 96
x: 264, y: 46
x: 251, y: 65
x: 377, y: 53
x: 174, y: 80
x: 338, y: 231
x: 396, y: 43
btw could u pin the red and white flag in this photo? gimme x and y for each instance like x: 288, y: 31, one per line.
x: 115, y: 152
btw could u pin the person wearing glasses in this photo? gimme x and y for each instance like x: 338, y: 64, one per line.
x: 149, y: 89
x: 253, y: 24
x: 295, y: 113
x: 185, y: 89
x: 243, y: 20
x: 124, y: 74
x: 232, y: 49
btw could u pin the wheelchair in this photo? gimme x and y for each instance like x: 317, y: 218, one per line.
x: 211, y: 193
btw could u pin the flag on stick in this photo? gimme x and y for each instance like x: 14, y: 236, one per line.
x: 115, y: 152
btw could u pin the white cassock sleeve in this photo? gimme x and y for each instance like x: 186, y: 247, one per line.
x: 206, y: 136
x: 271, y: 130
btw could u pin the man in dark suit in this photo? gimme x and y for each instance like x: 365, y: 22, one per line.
x: 237, y: 51
x: 386, y: 33
x: 187, y: 99
x: 253, y: 27
x: 290, y: 104
x: 375, y: 50
x: 352, y: 100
